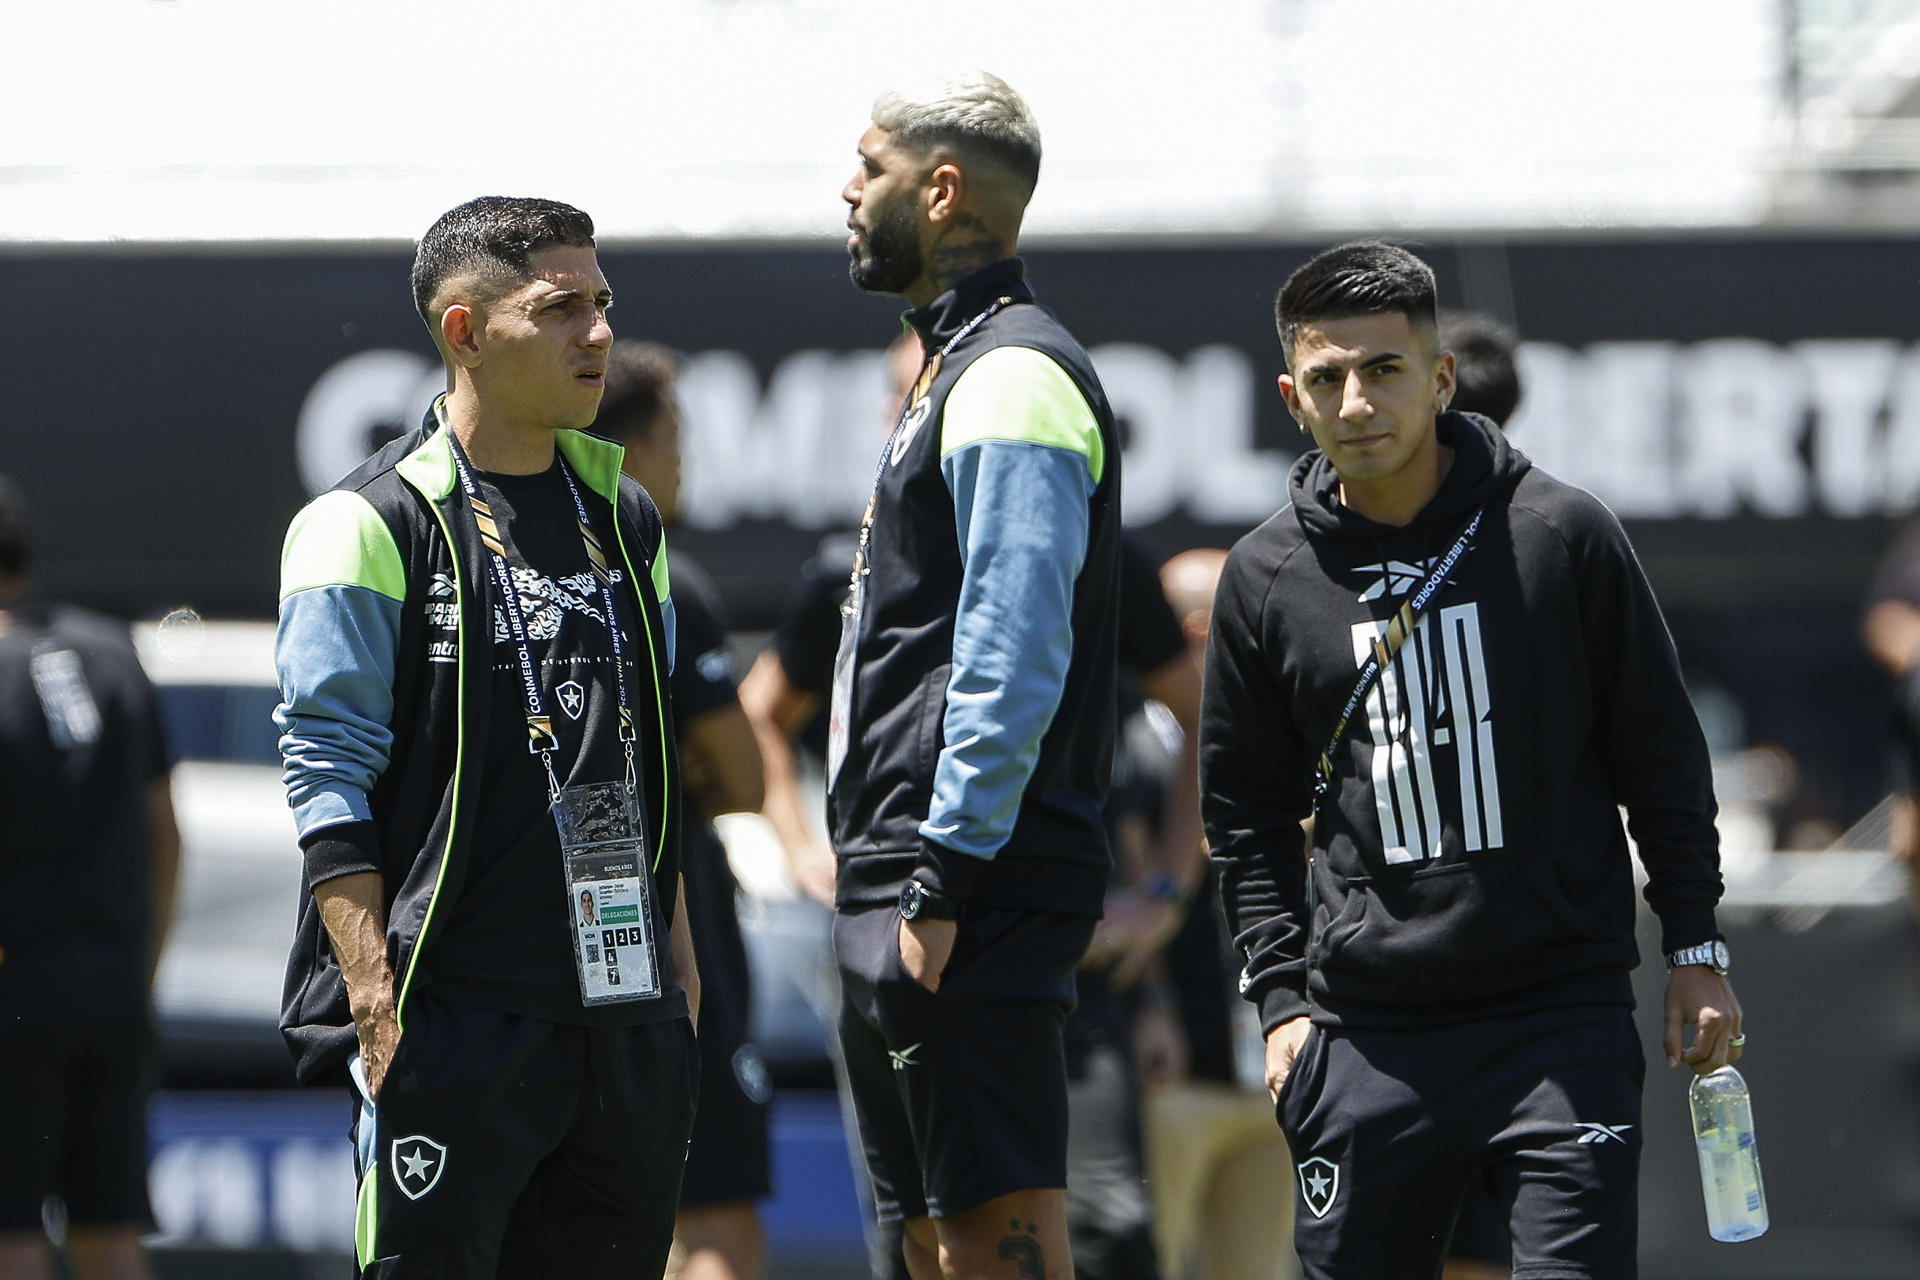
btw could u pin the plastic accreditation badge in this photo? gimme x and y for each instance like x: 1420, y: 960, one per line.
x: 603, y: 845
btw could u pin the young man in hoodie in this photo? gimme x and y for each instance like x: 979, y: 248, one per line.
x: 1454, y: 663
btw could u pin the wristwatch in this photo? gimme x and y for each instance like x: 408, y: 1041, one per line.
x: 1712, y: 953
x: 917, y: 902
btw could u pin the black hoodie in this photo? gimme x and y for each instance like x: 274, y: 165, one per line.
x: 1468, y: 859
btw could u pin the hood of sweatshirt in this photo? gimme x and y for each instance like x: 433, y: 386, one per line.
x: 1485, y: 465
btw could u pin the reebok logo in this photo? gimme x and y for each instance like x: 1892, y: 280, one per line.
x: 1602, y: 1132
x: 1397, y: 578
x: 903, y: 1058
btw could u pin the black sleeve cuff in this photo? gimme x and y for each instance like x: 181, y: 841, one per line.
x: 344, y: 849
x: 1687, y: 925
x: 948, y: 871
x: 1281, y: 1004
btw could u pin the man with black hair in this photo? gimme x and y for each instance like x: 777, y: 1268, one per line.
x: 1453, y: 662
x: 475, y: 638
x: 1486, y: 379
x: 717, y: 1235
x: 971, y: 721
x: 89, y: 852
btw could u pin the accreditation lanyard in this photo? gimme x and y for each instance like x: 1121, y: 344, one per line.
x: 922, y: 387
x: 540, y: 736
x: 912, y: 414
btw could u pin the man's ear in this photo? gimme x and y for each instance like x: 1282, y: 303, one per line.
x: 1444, y: 380
x: 1291, y: 394
x: 946, y: 187
x: 460, y: 334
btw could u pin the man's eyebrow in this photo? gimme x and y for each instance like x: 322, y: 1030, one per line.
x: 1384, y: 357
x: 604, y: 295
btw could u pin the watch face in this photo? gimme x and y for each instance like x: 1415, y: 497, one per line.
x: 1720, y: 956
x: 910, y: 900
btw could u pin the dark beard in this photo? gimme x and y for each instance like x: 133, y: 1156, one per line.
x: 892, y: 260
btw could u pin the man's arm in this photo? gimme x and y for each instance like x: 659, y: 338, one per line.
x: 163, y: 844
x: 1022, y: 454
x: 353, y: 908
x: 720, y: 759
x: 1142, y: 918
x: 777, y: 709
x: 342, y: 583
x: 686, y: 966
x: 1661, y: 771
x: 1254, y: 793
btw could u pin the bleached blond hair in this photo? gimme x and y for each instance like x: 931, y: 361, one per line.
x: 971, y: 112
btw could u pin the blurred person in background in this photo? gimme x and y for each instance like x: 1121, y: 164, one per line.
x: 1890, y: 629
x: 783, y: 694
x: 89, y: 854
x: 786, y: 687
x: 1465, y: 791
x: 1486, y: 381
x: 717, y: 1235
x: 970, y: 731
x: 1485, y: 373
x: 1214, y: 1154
x: 476, y: 630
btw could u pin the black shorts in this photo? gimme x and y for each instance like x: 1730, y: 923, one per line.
x: 1480, y: 1231
x: 74, y: 1121
x: 727, y: 1159
x: 1388, y: 1127
x: 508, y: 1145
x: 960, y: 1096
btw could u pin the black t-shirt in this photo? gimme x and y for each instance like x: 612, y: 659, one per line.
x: 507, y: 943
x: 703, y: 676
x: 1150, y: 636
x: 80, y: 743
x: 808, y: 635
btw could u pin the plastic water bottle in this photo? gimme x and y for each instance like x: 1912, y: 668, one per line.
x: 1729, y: 1160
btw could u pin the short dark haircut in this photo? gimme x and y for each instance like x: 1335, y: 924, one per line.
x: 1485, y: 380
x: 640, y: 378
x: 497, y: 234
x: 16, y: 536
x: 974, y: 113
x: 1361, y: 278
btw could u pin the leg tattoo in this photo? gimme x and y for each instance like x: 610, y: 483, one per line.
x: 1025, y: 1251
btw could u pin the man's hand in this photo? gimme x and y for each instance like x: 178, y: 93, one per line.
x: 1134, y: 929
x: 352, y: 907
x: 814, y: 870
x: 378, y: 1026
x: 1702, y: 998
x: 925, y: 947
x: 1283, y: 1045
x: 1160, y: 1051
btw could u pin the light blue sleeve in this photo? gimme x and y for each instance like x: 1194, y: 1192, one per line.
x: 335, y: 649
x: 1022, y: 517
